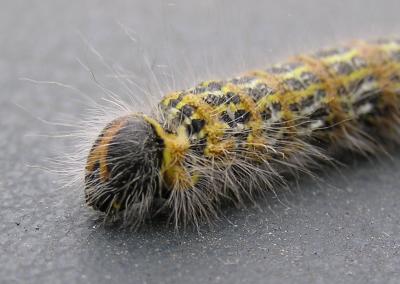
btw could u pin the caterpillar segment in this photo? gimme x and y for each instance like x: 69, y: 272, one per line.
x: 229, y: 139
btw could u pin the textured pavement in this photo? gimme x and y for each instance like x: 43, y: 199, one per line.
x: 344, y: 229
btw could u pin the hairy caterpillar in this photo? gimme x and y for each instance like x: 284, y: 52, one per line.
x: 229, y: 140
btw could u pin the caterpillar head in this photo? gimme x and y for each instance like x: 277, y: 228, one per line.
x: 123, y: 168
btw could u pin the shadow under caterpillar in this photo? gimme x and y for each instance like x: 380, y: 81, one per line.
x: 231, y: 140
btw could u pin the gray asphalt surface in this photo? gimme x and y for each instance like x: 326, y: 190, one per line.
x: 346, y: 229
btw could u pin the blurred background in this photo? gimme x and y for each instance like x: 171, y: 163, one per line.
x: 344, y: 229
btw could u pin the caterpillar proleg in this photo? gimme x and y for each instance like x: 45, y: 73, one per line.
x: 231, y: 140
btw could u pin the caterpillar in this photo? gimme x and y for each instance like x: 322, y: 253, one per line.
x: 233, y: 140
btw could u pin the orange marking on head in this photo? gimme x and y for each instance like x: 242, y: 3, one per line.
x: 100, y: 151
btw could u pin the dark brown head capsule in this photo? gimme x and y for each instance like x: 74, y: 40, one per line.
x: 123, y: 166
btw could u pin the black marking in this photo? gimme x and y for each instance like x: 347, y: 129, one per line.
x: 187, y: 110
x: 266, y: 115
x: 242, y: 116
x: 307, y: 102
x: 294, y: 84
x: 294, y: 107
x: 356, y: 85
x: 197, y: 125
x: 241, y: 136
x: 320, y: 94
x: 342, y: 68
x: 232, y: 98
x: 260, y: 91
x: 214, y: 100
x: 368, y: 97
x: 214, y: 86
x: 198, y: 90
x: 199, y: 146
x: 395, y: 78
x: 309, y: 78
x: 320, y: 113
x: 226, y: 118
x: 276, y: 106
x: 173, y: 102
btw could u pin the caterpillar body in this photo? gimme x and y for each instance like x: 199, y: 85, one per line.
x: 231, y: 140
